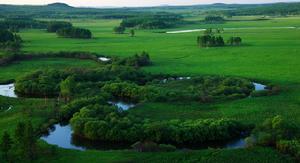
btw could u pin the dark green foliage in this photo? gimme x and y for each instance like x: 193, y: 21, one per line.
x: 40, y: 83
x: 138, y: 60
x: 210, y: 41
x: 9, y: 41
x: 119, y: 29
x: 54, y: 26
x: 6, y: 36
x: 16, y: 23
x: 281, y: 9
x: 6, y: 145
x: 67, y: 88
x: 234, y: 41
x: 130, y: 84
x: 291, y: 147
x: 106, y: 123
x: 67, y: 111
x: 214, y: 19
x: 155, y: 21
x: 25, y: 141
x: 275, y: 129
x: 73, y: 32
x: 148, y: 146
x: 132, y: 33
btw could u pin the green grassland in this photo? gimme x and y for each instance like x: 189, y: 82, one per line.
x: 267, y: 55
x: 18, y: 68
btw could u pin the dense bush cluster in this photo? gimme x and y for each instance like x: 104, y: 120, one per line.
x: 23, y: 146
x: 73, y: 32
x: 138, y: 60
x: 106, y: 123
x: 9, y: 41
x: 119, y: 29
x: 15, y: 24
x: 210, y: 40
x: 234, y: 41
x: 275, y: 129
x: 46, y: 83
x: 291, y: 147
x: 54, y: 26
x: 155, y: 21
x: 213, y: 19
x: 130, y: 84
x: 279, y: 133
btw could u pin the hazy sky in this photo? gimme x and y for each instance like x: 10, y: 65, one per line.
x: 97, y: 3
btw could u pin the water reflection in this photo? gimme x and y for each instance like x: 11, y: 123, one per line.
x: 259, y: 87
x: 122, y: 105
x: 63, y: 137
x: 8, y: 90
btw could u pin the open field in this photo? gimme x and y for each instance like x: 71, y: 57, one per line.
x: 18, y: 68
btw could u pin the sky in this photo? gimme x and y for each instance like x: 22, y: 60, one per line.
x: 134, y: 3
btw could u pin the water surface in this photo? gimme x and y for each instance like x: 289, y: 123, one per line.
x: 8, y: 90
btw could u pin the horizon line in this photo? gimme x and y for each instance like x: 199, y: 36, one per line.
x: 163, y: 5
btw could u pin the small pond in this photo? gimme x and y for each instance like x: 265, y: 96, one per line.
x: 104, y: 59
x: 122, y: 105
x: 62, y: 136
x: 8, y: 90
x: 259, y: 87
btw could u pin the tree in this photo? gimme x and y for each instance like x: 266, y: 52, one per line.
x: 19, y: 134
x: 54, y: 26
x: 219, y: 41
x: 30, y: 140
x: 119, y: 29
x: 67, y: 88
x: 234, y: 41
x: 132, y: 33
x: 211, y: 19
x: 73, y: 32
x: 6, y: 145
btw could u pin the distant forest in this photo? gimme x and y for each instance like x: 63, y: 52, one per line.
x: 60, y: 10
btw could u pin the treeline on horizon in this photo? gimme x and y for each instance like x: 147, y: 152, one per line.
x: 64, y: 11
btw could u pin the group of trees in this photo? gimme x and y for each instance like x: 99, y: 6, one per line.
x: 23, y: 146
x: 234, y: 41
x: 214, y: 19
x: 275, y: 129
x: 73, y: 32
x: 138, y: 60
x: 291, y: 147
x: 66, y: 29
x: 14, y: 24
x: 9, y: 41
x: 130, y: 84
x: 54, y: 26
x: 152, y: 21
x: 277, y: 132
x: 148, y: 21
x: 121, y: 30
x: 46, y: 83
x: 210, y: 40
x: 106, y: 123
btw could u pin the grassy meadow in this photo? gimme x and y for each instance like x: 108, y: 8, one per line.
x: 267, y: 56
